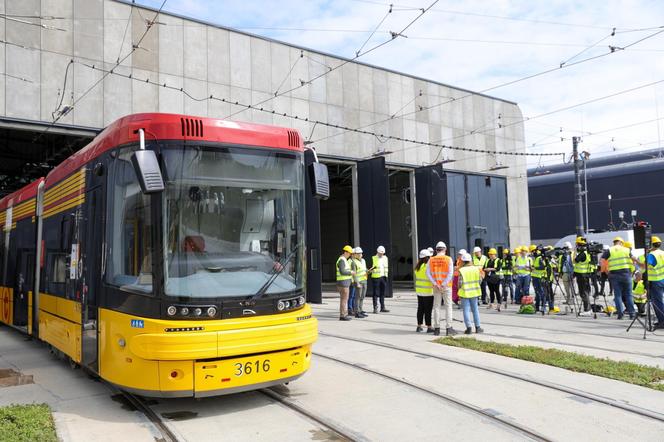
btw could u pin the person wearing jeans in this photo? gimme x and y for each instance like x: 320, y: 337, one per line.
x: 617, y: 262
x: 469, y: 292
x: 522, y: 267
x: 359, y: 266
x: 566, y: 272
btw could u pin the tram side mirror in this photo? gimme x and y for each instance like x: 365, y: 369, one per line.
x: 147, y: 170
x: 320, y: 181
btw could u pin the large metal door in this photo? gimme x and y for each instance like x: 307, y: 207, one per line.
x: 313, y: 255
x: 431, y: 201
x: 374, y: 209
x: 23, y: 287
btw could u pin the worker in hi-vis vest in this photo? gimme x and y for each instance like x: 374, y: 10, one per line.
x: 344, y: 280
x: 440, y: 272
x: 379, y: 274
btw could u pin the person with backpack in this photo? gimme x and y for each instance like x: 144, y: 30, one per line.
x: 470, y: 278
x: 424, y: 291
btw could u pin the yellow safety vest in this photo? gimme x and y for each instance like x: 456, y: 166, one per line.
x: 538, y: 273
x: 619, y: 258
x: 423, y: 285
x: 470, y: 282
x: 656, y: 273
x: 480, y: 261
x: 341, y: 277
x: 639, y: 293
x: 522, y: 261
x: 360, y: 269
x: 583, y: 267
x: 379, y: 270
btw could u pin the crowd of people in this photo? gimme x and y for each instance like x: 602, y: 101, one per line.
x: 579, y: 272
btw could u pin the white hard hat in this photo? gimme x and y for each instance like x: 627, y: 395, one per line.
x: 380, y: 249
x: 568, y: 245
x: 357, y: 250
x: 466, y: 258
x: 430, y: 249
x: 424, y: 253
x: 441, y: 245
x: 462, y: 252
x: 477, y: 249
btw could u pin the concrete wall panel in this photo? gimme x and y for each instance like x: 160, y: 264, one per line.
x: 23, y: 97
x: 260, y: 59
x: 171, y: 46
x: 240, y: 60
x: 198, y: 104
x: 117, y: 32
x: 58, y: 41
x: 144, y: 96
x: 22, y: 33
x: 117, y: 104
x: 89, y: 29
x: 216, y: 107
x: 171, y: 100
x: 219, y: 64
x: 89, y: 95
x: 146, y: 36
x: 55, y: 68
x: 195, y: 51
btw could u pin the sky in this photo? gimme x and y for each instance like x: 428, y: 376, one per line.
x: 480, y: 44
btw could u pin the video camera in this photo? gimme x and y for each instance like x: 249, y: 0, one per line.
x: 595, y: 247
x: 555, y: 252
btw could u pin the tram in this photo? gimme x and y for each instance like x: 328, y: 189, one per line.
x: 167, y: 256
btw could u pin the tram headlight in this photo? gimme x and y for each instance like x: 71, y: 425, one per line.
x: 197, y: 311
x: 301, y: 300
x: 184, y: 311
x: 211, y: 312
x: 171, y: 310
x: 281, y: 305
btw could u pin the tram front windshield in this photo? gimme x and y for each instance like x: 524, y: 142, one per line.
x: 233, y: 220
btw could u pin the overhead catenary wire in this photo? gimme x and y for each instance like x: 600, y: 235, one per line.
x: 304, y: 119
x: 394, y: 35
x: 508, y: 83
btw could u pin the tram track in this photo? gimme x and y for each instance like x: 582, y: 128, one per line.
x: 341, y: 433
x: 497, y: 419
x: 530, y: 380
x: 167, y: 435
x: 530, y: 339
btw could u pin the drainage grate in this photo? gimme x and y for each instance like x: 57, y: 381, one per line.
x: 11, y: 378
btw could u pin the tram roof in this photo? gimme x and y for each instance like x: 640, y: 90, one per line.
x: 24, y: 193
x: 163, y: 126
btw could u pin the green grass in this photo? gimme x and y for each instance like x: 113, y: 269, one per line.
x: 27, y: 423
x: 645, y: 376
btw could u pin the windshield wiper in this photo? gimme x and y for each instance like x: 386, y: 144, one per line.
x: 273, y: 277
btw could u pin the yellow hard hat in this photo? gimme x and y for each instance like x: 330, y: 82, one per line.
x: 656, y: 240
x: 492, y: 251
x: 506, y: 251
x: 548, y: 247
x: 532, y: 247
x: 580, y: 240
x: 517, y: 250
x: 348, y: 249
x: 628, y: 244
x: 618, y: 239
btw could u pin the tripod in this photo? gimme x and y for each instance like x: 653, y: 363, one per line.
x: 647, y: 324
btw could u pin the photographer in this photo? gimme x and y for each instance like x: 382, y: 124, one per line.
x: 566, y: 272
x: 582, y: 272
x: 549, y: 257
x: 617, y: 261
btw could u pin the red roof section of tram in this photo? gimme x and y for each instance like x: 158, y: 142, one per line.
x: 173, y: 127
x: 24, y: 193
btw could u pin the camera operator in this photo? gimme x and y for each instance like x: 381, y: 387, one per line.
x: 656, y: 279
x: 616, y: 262
x: 566, y: 272
x: 549, y: 257
x: 582, y: 272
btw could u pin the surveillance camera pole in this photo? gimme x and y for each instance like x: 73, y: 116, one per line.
x: 578, y: 196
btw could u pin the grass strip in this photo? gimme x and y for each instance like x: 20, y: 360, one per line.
x: 27, y: 423
x: 643, y: 375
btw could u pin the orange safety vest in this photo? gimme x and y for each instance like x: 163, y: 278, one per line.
x: 440, y: 266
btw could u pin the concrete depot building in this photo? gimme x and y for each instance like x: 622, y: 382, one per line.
x: 383, y: 191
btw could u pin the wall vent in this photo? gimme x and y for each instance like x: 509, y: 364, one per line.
x: 191, y: 127
x: 293, y: 138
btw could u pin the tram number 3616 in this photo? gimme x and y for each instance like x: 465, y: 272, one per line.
x: 252, y: 367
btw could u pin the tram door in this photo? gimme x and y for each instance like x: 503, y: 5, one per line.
x: 91, y: 237
x: 23, y: 287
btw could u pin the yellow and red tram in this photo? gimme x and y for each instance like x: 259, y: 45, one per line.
x: 194, y: 287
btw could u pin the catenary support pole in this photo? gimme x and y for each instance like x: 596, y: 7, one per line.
x: 577, y: 187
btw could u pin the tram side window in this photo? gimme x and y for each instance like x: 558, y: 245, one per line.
x: 57, y: 273
x: 130, y: 260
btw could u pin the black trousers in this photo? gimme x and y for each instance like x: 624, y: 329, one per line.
x: 424, y: 309
x: 494, y: 292
x: 483, y: 290
x: 379, y: 285
x: 583, y: 284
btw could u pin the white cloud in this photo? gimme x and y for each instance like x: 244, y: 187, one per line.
x: 483, y: 63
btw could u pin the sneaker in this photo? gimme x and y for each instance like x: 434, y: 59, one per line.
x: 585, y: 313
x: 419, y: 329
x: 436, y: 332
x: 451, y: 332
x: 363, y: 315
x: 620, y: 316
x: 631, y: 316
x: 384, y: 310
x: 468, y: 331
x: 430, y: 330
x: 479, y: 330
x: 489, y: 307
x: 358, y: 316
x: 345, y: 318
x: 375, y: 311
